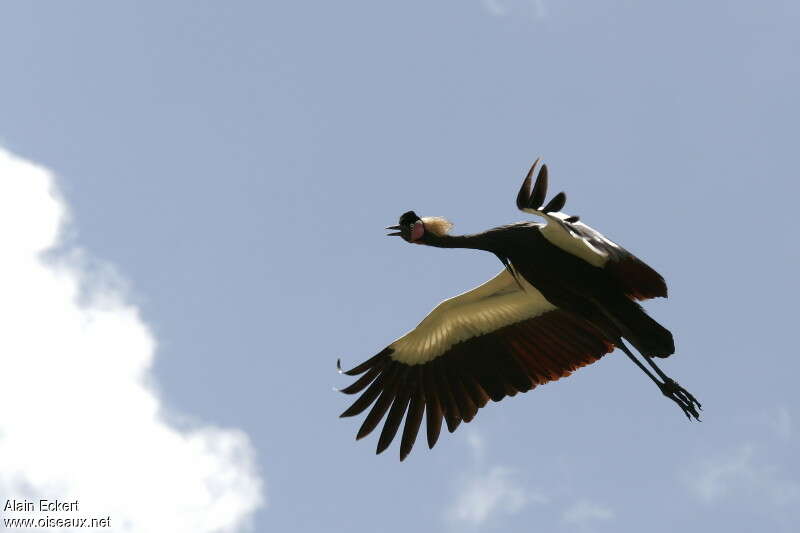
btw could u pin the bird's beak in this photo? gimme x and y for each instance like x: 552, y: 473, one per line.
x: 395, y: 233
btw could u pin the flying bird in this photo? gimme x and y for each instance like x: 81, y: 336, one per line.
x: 567, y: 295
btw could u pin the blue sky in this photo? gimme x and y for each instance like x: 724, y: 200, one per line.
x: 227, y: 170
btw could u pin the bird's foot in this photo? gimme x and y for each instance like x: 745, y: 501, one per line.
x: 683, y: 398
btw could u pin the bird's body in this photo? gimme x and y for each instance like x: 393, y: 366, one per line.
x: 565, y: 299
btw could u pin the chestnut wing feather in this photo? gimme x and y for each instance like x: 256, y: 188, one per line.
x: 486, y: 344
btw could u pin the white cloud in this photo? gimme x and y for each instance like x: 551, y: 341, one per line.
x: 780, y: 420
x: 491, y: 490
x: 485, y: 494
x: 79, y: 419
x: 583, y: 513
x: 740, y: 471
x: 477, y: 445
x: 488, y: 491
x: 495, y: 7
x: 501, y: 8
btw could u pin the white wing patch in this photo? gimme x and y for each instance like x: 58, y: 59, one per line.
x: 558, y: 232
x: 497, y: 303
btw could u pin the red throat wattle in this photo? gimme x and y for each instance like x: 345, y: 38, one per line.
x: 417, y: 230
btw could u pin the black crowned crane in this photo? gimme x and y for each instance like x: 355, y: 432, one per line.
x: 566, y: 297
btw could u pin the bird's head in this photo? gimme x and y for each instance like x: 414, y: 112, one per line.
x: 415, y: 229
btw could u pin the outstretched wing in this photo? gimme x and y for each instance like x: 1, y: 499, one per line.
x: 491, y: 342
x: 637, y: 279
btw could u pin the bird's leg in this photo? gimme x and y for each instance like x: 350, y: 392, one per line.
x: 669, y: 387
x: 673, y: 387
x: 639, y: 364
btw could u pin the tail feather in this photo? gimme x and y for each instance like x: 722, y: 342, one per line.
x: 648, y: 336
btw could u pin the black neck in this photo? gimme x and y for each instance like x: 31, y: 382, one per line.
x: 479, y: 241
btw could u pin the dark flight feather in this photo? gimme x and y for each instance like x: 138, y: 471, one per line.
x: 556, y: 203
x: 455, y: 385
x: 539, y: 189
